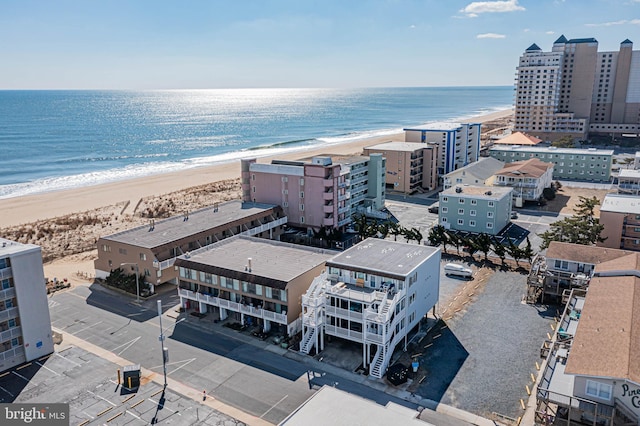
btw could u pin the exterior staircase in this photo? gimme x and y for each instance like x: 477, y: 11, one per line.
x: 313, y: 304
x: 380, y: 362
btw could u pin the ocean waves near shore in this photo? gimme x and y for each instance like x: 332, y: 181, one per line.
x: 56, y: 140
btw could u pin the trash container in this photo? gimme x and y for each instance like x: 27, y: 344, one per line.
x: 131, y: 376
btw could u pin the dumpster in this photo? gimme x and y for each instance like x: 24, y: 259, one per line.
x: 131, y: 376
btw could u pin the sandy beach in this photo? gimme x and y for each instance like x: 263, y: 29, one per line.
x: 67, y: 224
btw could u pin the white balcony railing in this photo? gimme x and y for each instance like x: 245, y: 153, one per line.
x: 345, y: 333
x: 5, y: 273
x: 234, y: 306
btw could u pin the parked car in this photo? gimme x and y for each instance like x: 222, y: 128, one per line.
x: 514, y: 215
x: 458, y: 270
x: 433, y: 209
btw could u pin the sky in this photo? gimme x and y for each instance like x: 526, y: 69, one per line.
x: 207, y: 44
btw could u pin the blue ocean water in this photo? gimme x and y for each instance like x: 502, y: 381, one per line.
x: 55, y: 140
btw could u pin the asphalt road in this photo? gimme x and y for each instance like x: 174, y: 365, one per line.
x: 265, y: 384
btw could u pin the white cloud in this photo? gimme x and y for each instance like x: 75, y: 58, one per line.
x: 526, y: 30
x: 491, y: 35
x: 475, y: 8
x: 412, y: 26
x: 550, y: 32
x: 612, y: 23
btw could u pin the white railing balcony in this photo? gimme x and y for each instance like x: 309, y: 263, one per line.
x: 355, y: 336
x: 344, y: 196
x: 344, y: 209
x: 374, y: 338
x: 10, y: 334
x: 11, y: 353
x: 344, y: 313
x: 344, y: 221
x: 9, y: 313
x: 265, y: 227
x: 360, y: 179
x: 165, y: 263
x: 187, y: 293
x: 7, y: 293
x: 5, y: 273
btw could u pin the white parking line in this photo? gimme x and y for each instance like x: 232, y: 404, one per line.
x: 274, y: 406
x: 21, y: 376
x: 126, y: 345
x: 44, y: 366
x: 86, y: 328
x: 165, y: 407
x: 129, y: 412
x: 102, y: 398
x: 66, y: 359
x: 7, y: 391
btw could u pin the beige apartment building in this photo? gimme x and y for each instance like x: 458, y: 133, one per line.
x: 152, y: 249
x: 575, y: 90
x: 411, y: 166
x: 620, y: 215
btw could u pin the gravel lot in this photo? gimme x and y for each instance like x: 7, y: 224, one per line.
x: 481, y: 360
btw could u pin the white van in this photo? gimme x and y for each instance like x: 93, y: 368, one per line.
x: 458, y: 270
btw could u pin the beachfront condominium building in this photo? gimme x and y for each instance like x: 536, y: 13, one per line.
x: 458, y: 144
x: 568, y: 163
x: 25, y: 325
x: 592, y: 374
x: 528, y: 178
x: 152, y: 249
x: 479, y: 173
x: 574, y: 90
x: 250, y: 280
x: 476, y: 209
x: 374, y: 294
x: 322, y: 191
x: 620, y: 216
x: 411, y: 166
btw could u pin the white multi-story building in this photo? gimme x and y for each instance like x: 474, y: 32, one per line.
x: 25, y: 325
x: 373, y: 293
x: 528, y: 178
x: 458, y: 144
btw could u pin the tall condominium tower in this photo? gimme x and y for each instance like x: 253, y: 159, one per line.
x: 575, y: 90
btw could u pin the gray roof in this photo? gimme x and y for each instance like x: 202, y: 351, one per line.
x: 8, y: 247
x: 478, y: 191
x: 629, y: 173
x: 383, y: 257
x: 627, y: 41
x: 619, y: 203
x: 442, y: 126
x: 273, y: 263
x: 483, y: 169
x: 399, y: 146
x: 176, y: 228
x: 553, y: 150
x: 533, y: 47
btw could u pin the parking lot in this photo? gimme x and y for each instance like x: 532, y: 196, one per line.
x: 89, y: 384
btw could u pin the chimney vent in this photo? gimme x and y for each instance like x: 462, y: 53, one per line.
x: 249, y: 264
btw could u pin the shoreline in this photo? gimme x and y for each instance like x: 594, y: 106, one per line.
x: 47, y: 205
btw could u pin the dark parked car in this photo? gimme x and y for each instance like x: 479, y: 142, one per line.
x: 514, y: 215
x: 433, y: 209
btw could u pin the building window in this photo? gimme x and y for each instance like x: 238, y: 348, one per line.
x: 301, y: 194
x: 472, y: 223
x: 122, y: 251
x: 491, y: 203
x: 106, y: 248
x: 561, y: 264
x: 472, y: 212
x: 253, y: 176
x: 285, y: 179
x: 301, y: 181
x: 460, y: 211
x: 474, y: 202
x: 445, y: 199
x: 445, y: 209
x: 254, y: 189
x: 460, y: 222
x: 598, y: 390
x: 489, y: 214
x: 143, y: 256
x: 461, y: 200
x: 301, y: 207
x: 301, y: 219
x: 444, y: 220
x: 489, y: 225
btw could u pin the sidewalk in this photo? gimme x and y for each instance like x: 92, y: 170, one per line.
x: 379, y: 385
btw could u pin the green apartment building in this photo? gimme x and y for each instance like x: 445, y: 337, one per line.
x: 478, y: 209
x: 569, y: 163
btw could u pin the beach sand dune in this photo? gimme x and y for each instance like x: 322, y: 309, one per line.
x: 67, y: 224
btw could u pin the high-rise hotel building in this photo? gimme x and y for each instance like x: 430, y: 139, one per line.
x: 25, y: 325
x: 575, y: 90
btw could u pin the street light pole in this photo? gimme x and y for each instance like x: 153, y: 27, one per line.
x: 137, y: 280
x: 165, y: 351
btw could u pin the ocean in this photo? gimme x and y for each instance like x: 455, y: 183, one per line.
x: 54, y: 140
